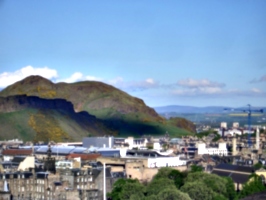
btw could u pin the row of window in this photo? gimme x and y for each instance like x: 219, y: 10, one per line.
x: 84, y: 179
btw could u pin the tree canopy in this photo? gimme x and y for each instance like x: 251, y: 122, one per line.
x: 171, y: 184
x: 254, y: 185
x: 198, y: 190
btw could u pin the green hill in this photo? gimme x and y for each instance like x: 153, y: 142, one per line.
x: 33, y: 118
x: 124, y: 114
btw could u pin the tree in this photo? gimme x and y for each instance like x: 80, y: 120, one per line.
x: 163, y: 172
x: 178, y: 177
x: 216, y: 183
x: 156, y: 185
x: 198, y: 190
x: 173, y: 174
x: 137, y: 197
x: 219, y: 197
x: 132, y: 191
x: 230, y: 188
x: 169, y: 194
x: 258, y: 166
x: 196, y: 168
x: 118, y: 187
x: 252, y: 186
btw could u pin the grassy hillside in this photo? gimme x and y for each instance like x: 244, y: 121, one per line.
x: 124, y: 114
x: 45, y: 125
x: 37, y: 119
x: 15, y: 125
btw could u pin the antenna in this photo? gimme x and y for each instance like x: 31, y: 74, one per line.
x: 249, y: 111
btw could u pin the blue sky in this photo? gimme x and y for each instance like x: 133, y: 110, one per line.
x: 197, y: 53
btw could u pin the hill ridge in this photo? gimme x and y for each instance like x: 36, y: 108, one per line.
x: 123, y: 113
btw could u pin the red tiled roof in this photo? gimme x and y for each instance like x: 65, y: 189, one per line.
x: 14, y: 152
x: 91, y: 156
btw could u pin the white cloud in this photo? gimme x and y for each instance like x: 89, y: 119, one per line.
x: 78, y: 76
x: 216, y: 91
x: 256, y: 90
x: 8, y: 78
x: 192, y: 83
x: 92, y: 78
x: 116, y: 81
x: 150, y: 80
x: 198, y: 91
x: 134, y: 85
x: 190, y: 87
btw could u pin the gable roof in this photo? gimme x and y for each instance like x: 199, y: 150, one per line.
x: 235, y: 168
x: 239, y: 174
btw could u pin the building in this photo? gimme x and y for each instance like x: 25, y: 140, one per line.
x: 9, y: 154
x: 223, y: 125
x: 130, y: 143
x: 98, y: 142
x: 221, y: 150
x: 239, y: 174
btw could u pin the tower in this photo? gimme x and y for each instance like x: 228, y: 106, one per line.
x: 234, y: 146
x: 257, y: 138
x: 49, y: 162
x: 249, y: 112
x: 224, y: 125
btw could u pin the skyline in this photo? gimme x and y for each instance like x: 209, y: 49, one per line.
x: 197, y: 53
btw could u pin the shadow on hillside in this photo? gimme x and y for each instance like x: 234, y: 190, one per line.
x: 137, y: 129
x: 120, y: 126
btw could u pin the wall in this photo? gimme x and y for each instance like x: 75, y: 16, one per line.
x: 139, y: 170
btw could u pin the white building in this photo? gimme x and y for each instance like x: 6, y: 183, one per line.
x: 221, y: 150
x: 166, y: 162
x: 235, y: 125
x: 27, y: 163
x: 224, y: 125
x: 234, y: 132
x: 230, y: 132
x: 136, y: 142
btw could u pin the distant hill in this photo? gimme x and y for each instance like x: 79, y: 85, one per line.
x: 193, y: 109
x: 114, y: 109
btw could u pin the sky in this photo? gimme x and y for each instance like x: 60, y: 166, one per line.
x: 174, y: 52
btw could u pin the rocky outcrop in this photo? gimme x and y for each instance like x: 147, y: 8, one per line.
x: 19, y: 102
